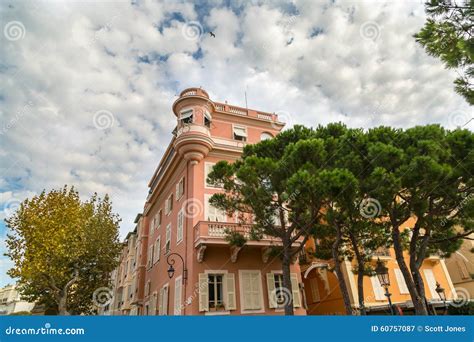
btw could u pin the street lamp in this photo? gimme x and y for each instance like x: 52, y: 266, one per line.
x: 170, y: 260
x: 382, y: 273
x: 442, y: 294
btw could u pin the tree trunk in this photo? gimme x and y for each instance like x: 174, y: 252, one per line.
x: 360, y: 274
x: 416, y: 260
x: 62, y: 304
x: 340, y: 275
x: 286, y: 262
x: 418, y: 302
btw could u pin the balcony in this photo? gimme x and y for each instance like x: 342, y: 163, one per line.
x: 213, y: 234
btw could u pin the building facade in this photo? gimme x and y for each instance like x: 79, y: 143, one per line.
x: 11, y: 302
x: 324, y: 296
x: 179, y: 227
x: 461, y: 269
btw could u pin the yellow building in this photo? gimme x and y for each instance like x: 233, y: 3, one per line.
x: 323, y: 295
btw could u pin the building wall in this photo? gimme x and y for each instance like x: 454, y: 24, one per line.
x: 461, y: 269
x: 11, y: 302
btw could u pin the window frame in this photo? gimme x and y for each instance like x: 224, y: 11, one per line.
x: 244, y: 128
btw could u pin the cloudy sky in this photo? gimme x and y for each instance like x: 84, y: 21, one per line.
x: 86, y: 88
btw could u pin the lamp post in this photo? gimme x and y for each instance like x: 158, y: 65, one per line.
x: 442, y: 294
x: 170, y: 260
x: 384, y: 279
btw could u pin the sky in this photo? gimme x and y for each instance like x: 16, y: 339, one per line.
x: 86, y: 88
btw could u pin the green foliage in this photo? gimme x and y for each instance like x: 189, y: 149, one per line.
x: 466, y: 309
x: 63, y: 248
x: 235, y: 238
x: 448, y: 35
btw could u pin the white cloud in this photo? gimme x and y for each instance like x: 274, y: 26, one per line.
x: 307, y: 58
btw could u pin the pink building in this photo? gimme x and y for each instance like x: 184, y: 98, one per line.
x: 177, y: 218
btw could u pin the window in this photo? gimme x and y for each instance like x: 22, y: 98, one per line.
x: 186, y: 117
x: 216, y: 295
x: 163, y: 301
x: 402, y: 286
x: 147, y: 288
x: 169, y: 205
x: 153, y: 304
x: 240, y: 133
x: 431, y: 282
x: 179, y: 231
x: 180, y: 189
x: 251, y: 290
x: 156, y: 254
x: 146, y: 309
x: 212, y: 213
x: 157, y: 219
x: 150, y: 256
x: 178, y: 285
x: 207, y: 170
x: 377, y: 288
x: 277, y: 294
x: 217, y: 291
x: 265, y: 136
x: 207, y: 119
x: 168, y: 238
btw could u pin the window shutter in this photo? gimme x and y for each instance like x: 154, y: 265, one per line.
x: 377, y: 288
x: 160, y: 302
x: 256, y: 290
x: 402, y: 286
x: 179, y: 233
x: 296, y: 290
x: 271, y: 291
x: 247, y: 290
x: 203, y: 292
x: 153, y: 304
x: 431, y: 282
x: 165, y: 300
x: 177, y: 190
x: 177, y: 296
x: 158, y: 248
x: 230, y: 303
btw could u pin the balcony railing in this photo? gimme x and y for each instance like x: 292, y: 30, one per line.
x: 381, y: 252
x: 215, y: 233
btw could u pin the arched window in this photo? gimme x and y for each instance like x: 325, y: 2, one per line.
x: 265, y: 136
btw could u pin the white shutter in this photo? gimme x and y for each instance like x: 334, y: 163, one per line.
x: 177, y: 191
x: 158, y: 248
x: 153, y: 304
x: 402, y: 285
x: 179, y: 233
x: 377, y: 288
x: 296, y: 290
x: 251, y: 290
x: 165, y: 300
x: 177, y: 295
x: 431, y: 282
x: 313, y: 282
x: 203, y: 292
x: 271, y: 291
x: 160, y: 302
x: 168, y: 238
x: 230, y: 303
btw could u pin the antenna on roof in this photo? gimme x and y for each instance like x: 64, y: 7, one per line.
x: 246, y: 104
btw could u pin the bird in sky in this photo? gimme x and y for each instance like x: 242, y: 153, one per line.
x: 212, y: 34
